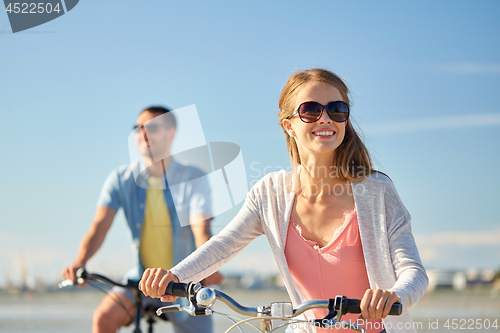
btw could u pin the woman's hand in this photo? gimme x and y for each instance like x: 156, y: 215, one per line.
x: 154, y: 282
x: 377, y: 303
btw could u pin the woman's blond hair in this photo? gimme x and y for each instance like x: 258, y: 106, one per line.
x: 352, y: 160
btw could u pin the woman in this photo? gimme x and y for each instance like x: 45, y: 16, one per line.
x: 335, y: 226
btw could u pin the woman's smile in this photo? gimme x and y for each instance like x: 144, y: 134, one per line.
x: 324, y: 133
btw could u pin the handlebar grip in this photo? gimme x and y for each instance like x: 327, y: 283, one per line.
x: 81, y: 273
x: 177, y: 289
x: 353, y: 306
x: 396, y: 309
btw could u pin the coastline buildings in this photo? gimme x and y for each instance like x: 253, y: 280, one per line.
x: 460, y: 280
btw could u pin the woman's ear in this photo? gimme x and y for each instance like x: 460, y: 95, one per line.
x: 288, y: 127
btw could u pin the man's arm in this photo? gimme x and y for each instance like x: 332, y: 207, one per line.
x: 200, y: 225
x: 92, y: 241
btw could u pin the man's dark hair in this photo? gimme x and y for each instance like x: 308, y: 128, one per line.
x: 159, y: 110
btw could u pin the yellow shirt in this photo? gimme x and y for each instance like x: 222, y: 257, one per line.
x: 156, y: 247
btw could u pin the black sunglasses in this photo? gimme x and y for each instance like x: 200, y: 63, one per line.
x: 152, y: 128
x: 310, y: 112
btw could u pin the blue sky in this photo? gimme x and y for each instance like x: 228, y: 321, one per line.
x: 424, y: 78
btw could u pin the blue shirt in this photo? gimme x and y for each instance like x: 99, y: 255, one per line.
x: 126, y: 187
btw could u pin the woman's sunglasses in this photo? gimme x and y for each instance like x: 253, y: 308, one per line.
x: 310, y: 112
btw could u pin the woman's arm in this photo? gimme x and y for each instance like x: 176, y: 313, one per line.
x: 208, y: 258
x: 245, y: 227
x: 412, y: 280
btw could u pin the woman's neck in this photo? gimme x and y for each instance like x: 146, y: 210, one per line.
x: 319, y: 177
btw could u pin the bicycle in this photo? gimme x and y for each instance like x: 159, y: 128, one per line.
x: 149, y: 314
x: 202, y: 299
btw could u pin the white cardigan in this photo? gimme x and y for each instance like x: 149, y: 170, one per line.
x: 391, y: 255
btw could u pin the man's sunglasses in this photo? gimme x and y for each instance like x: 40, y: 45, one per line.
x: 152, y: 128
x: 309, y: 112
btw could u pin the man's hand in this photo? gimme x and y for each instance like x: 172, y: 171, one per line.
x: 377, y: 303
x: 69, y: 273
x: 215, y: 278
x: 154, y: 282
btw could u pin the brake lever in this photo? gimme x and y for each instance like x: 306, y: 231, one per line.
x: 191, y: 309
x: 170, y: 308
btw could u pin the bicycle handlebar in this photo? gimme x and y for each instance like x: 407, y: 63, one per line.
x: 348, y: 305
x: 201, y: 300
x: 82, y: 275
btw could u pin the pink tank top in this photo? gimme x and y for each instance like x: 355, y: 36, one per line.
x: 338, y: 268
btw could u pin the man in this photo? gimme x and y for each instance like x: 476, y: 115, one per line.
x: 153, y: 219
